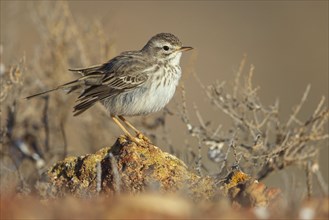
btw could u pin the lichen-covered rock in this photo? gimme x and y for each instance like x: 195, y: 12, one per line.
x: 128, y: 167
x: 245, y: 191
x: 132, y: 168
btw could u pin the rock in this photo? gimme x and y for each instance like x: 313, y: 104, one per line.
x: 128, y: 167
x: 132, y: 168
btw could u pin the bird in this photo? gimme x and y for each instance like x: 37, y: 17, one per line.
x: 134, y: 83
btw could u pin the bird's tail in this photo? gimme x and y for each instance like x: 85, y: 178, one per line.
x: 90, y: 76
x: 69, y: 87
x: 41, y: 93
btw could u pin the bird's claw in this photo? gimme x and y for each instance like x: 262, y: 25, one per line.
x: 136, y: 140
x: 143, y: 137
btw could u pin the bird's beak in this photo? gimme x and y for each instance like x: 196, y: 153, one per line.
x: 185, y: 48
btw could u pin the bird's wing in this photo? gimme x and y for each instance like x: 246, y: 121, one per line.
x: 88, y: 70
x: 119, y: 75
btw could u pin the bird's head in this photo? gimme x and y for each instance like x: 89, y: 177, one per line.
x: 165, y: 47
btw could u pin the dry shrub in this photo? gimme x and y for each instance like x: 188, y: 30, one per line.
x: 34, y: 133
x: 258, y: 141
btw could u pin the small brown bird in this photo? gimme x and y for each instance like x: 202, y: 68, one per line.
x: 133, y: 83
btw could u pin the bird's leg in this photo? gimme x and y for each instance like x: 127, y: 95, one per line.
x: 124, y: 129
x: 129, y: 124
x: 139, y: 134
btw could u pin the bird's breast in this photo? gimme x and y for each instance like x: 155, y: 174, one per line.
x: 150, y: 97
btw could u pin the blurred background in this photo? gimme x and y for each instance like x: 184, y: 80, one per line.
x: 286, y: 41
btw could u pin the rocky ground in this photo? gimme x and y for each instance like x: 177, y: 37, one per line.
x: 130, y: 180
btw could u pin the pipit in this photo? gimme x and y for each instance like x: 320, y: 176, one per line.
x: 133, y: 83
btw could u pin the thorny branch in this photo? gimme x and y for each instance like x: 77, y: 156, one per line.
x: 262, y: 142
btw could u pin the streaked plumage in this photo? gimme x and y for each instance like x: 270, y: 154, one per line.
x: 133, y: 83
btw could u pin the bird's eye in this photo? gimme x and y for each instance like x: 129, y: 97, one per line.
x: 165, y: 48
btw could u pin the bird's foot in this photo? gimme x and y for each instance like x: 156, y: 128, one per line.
x: 136, y: 140
x: 141, y: 136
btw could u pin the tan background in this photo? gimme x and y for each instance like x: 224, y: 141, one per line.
x: 286, y: 41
